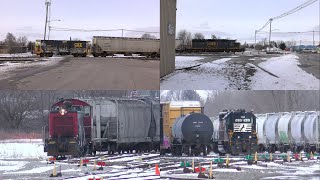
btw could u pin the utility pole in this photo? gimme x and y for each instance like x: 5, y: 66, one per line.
x: 255, y: 39
x: 270, y: 35
x: 313, y: 41
x: 45, y: 27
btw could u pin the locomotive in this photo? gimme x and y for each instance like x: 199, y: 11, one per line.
x: 61, y: 47
x: 69, y: 128
x: 236, y: 133
x: 210, y: 45
x: 192, y: 134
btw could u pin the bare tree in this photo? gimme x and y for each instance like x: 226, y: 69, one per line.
x: 214, y: 36
x: 198, y: 35
x: 186, y: 38
x: 148, y: 36
x: 15, y: 106
x: 10, y: 42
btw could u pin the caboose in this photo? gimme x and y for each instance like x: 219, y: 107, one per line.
x: 69, y: 128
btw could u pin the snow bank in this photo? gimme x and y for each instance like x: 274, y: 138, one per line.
x: 291, y: 76
x: 11, y: 165
x: 22, y: 150
x: 187, y: 61
x: 18, y: 55
x: 207, y: 76
x: 33, y: 171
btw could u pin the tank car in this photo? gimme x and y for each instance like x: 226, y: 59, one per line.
x: 262, y: 143
x: 311, y: 131
x: 69, y: 128
x: 237, y: 133
x: 192, y: 134
x: 283, y: 132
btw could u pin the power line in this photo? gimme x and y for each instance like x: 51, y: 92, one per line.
x: 303, y: 32
x: 296, y: 9
x: 288, y: 13
x: 97, y: 30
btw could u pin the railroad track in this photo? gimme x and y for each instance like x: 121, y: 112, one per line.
x: 140, y: 165
x: 112, y: 160
x: 18, y: 59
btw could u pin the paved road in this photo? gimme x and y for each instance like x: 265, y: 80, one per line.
x: 86, y: 74
x: 310, y: 63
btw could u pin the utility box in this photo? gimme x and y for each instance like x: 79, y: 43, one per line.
x: 167, y: 36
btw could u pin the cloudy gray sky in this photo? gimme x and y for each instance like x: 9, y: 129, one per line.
x: 225, y: 18
x: 239, y: 19
x: 27, y: 17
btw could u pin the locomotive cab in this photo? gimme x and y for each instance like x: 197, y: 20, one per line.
x: 238, y: 132
x: 67, y: 134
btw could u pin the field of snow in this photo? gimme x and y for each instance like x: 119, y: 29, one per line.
x: 223, y: 74
x: 22, y: 149
x: 291, y: 76
x: 207, y: 76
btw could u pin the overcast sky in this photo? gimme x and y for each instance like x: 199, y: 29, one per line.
x: 239, y: 19
x: 27, y: 17
x: 225, y: 18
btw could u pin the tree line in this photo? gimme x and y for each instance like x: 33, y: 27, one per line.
x: 13, y: 44
x: 27, y: 111
x: 259, y: 101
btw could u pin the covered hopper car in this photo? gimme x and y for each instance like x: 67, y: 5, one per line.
x: 106, y: 46
x: 124, y: 124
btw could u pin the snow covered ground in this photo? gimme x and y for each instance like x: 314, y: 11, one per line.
x: 240, y: 169
x: 11, y: 66
x: 17, y: 149
x: 25, y: 159
x: 291, y: 76
x: 18, y: 55
x: 207, y: 76
x: 229, y: 74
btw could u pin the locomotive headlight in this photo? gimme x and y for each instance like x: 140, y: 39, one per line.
x: 63, y: 112
x: 238, y: 137
x: 249, y: 137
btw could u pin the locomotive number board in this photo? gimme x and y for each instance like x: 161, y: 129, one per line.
x: 242, y: 120
x: 242, y: 127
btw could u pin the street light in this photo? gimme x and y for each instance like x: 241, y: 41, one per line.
x: 50, y: 26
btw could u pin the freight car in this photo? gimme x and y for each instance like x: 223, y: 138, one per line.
x: 212, y: 45
x: 121, y: 124
x: 192, y: 134
x: 104, y: 46
x: 170, y: 111
x: 236, y: 133
x: 293, y: 131
x: 69, y: 128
